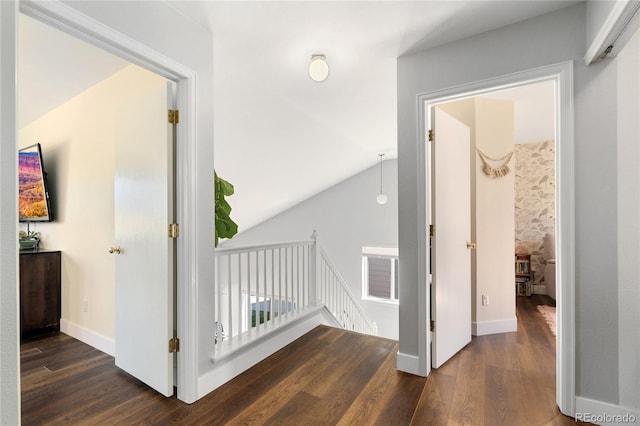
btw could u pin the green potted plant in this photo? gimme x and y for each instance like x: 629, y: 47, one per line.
x: 225, y: 226
x: 28, y: 239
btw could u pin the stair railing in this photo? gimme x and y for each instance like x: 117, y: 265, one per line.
x: 259, y: 287
x: 336, y: 295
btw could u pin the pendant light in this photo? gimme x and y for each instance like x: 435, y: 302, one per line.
x: 381, y: 198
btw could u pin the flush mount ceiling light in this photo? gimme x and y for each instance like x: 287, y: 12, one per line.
x: 381, y: 198
x: 318, y: 67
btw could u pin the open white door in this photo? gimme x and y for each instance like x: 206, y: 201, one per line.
x: 451, y: 217
x: 143, y: 211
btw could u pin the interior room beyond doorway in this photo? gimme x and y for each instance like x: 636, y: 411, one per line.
x: 513, y: 177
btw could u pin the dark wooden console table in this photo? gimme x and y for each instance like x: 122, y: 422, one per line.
x: 40, y: 276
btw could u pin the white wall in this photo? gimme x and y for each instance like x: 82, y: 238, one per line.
x: 628, y: 207
x: 494, y: 127
x: 78, y: 148
x: 347, y: 217
x: 596, y: 233
x: 597, y: 14
x: 610, y: 24
x: 533, y: 100
x: 549, y: 39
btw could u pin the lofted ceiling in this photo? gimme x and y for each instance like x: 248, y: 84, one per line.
x: 534, y: 111
x: 280, y: 137
x: 53, y: 67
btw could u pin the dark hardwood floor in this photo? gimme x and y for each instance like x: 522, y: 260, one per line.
x: 328, y: 377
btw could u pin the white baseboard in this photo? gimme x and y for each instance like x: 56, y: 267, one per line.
x: 408, y: 363
x: 604, y: 413
x: 90, y: 337
x: 494, y: 327
x: 228, y: 367
x: 540, y: 289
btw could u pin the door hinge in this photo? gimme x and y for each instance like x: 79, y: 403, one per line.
x: 174, y: 345
x: 433, y: 326
x: 432, y: 135
x: 174, y: 116
x: 174, y: 230
x: 432, y: 230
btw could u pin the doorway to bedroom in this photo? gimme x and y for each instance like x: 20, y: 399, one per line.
x: 512, y: 157
x: 512, y: 197
x: 110, y: 155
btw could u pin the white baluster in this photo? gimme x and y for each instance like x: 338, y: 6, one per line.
x: 264, y: 285
x: 286, y: 280
x: 248, y: 315
x: 299, y: 275
x: 273, y: 278
x: 237, y: 318
x: 226, y: 320
x: 280, y: 283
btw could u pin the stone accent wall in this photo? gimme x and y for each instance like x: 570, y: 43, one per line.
x: 535, y: 209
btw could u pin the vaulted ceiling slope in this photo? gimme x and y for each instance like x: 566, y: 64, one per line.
x: 280, y: 137
x: 54, y: 67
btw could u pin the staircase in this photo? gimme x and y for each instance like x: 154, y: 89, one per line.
x: 260, y: 290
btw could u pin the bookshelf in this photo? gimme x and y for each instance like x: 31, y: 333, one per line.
x: 524, y: 275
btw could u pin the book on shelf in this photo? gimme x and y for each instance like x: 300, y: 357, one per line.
x: 522, y: 267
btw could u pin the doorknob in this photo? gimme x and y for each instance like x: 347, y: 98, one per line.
x: 471, y: 246
x: 116, y: 250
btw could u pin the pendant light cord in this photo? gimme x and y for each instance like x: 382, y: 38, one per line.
x: 381, y: 155
x: 381, y: 198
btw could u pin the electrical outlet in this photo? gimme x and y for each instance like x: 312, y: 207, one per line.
x: 485, y: 300
x: 85, y: 306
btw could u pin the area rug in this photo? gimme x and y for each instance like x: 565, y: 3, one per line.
x: 549, y: 314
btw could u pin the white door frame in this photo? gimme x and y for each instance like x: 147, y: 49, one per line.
x: 9, y: 295
x: 562, y: 75
x: 69, y: 20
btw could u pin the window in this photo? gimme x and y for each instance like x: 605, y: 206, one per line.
x: 380, y: 274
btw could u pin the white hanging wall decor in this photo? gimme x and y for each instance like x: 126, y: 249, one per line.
x: 501, y: 169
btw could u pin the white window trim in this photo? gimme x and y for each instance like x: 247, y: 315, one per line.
x: 379, y: 252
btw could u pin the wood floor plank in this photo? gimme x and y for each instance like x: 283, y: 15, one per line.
x: 504, y: 389
x: 42, y: 376
x: 129, y: 411
x: 260, y: 379
x: 68, y: 388
x: 389, y: 397
x: 303, y: 406
x: 436, y: 400
x: 280, y: 394
x: 328, y: 376
x: 468, y: 403
x: 364, y: 353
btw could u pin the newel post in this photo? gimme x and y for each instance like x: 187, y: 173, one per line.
x: 314, y: 269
